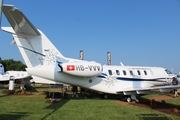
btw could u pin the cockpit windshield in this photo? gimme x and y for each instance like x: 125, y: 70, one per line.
x: 168, y: 72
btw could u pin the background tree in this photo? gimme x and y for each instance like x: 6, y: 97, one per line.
x: 10, y: 64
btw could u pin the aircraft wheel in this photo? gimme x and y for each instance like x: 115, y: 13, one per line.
x: 106, y: 96
x: 128, y: 99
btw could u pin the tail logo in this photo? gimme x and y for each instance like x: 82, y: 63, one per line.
x: 50, y: 56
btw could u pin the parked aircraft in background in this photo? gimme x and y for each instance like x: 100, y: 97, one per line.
x: 18, y: 75
x: 22, y: 76
x: 45, y: 61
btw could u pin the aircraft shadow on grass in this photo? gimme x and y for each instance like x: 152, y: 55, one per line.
x: 4, y: 95
x: 159, y: 105
x: 62, y: 100
x: 55, y: 100
x: 14, y: 115
x: 153, y: 117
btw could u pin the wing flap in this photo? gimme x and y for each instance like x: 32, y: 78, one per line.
x: 18, y: 21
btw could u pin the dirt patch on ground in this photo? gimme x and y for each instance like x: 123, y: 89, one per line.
x: 157, y: 103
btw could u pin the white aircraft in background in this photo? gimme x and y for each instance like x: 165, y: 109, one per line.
x: 45, y: 61
x: 24, y: 76
x: 18, y: 75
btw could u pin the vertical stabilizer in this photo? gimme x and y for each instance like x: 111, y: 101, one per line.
x: 35, y: 48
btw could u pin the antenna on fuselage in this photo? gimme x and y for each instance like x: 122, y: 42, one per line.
x: 109, y: 58
x: 121, y: 64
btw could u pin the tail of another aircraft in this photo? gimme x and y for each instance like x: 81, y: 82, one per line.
x: 35, y: 47
x: 1, y: 69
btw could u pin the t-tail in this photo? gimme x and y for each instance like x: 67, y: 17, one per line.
x: 35, y: 48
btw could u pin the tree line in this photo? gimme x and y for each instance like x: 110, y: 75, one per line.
x: 10, y: 64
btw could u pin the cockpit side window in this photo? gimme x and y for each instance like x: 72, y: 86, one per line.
x: 168, y: 72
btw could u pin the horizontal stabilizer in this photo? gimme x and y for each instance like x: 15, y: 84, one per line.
x: 8, y: 29
x: 18, y: 21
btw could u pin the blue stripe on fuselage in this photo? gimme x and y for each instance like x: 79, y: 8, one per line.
x: 139, y: 79
x: 135, y: 79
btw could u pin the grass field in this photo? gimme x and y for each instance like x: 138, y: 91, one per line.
x: 35, y: 107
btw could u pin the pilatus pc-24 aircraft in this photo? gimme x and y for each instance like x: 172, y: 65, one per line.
x: 44, y: 60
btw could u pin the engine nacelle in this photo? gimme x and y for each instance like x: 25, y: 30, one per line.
x: 82, y: 69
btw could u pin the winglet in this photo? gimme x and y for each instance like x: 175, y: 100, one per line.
x: 1, y: 4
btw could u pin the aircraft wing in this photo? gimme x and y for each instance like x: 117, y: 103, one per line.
x: 144, y: 90
x: 18, y: 21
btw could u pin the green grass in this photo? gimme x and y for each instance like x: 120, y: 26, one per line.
x: 34, y: 107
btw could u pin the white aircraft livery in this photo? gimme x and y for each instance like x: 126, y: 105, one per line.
x: 45, y: 61
x: 16, y: 74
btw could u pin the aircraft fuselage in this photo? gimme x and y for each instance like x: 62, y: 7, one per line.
x: 113, y: 79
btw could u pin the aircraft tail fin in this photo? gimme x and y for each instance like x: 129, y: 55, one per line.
x: 18, y: 21
x: 34, y: 46
x: 1, y: 69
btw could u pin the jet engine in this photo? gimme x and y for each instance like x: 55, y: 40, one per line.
x: 82, y: 69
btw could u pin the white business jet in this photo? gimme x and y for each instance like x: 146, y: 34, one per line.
x: 45, y: 61
x: 17, y: 75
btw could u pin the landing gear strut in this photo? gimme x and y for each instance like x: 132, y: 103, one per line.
x: 129, y: 99
x: 132, y: 97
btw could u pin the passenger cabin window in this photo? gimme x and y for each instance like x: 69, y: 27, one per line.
x: 124, y: 72
x: 110, y: 72
x: 131, y: 72
x: 117, y: 72
x: 145, y: 72
x: 168, y: 72
x: 139, y: 73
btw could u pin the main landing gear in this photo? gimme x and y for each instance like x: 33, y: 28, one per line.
x: 131, y: 97
x: 105, y: 96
